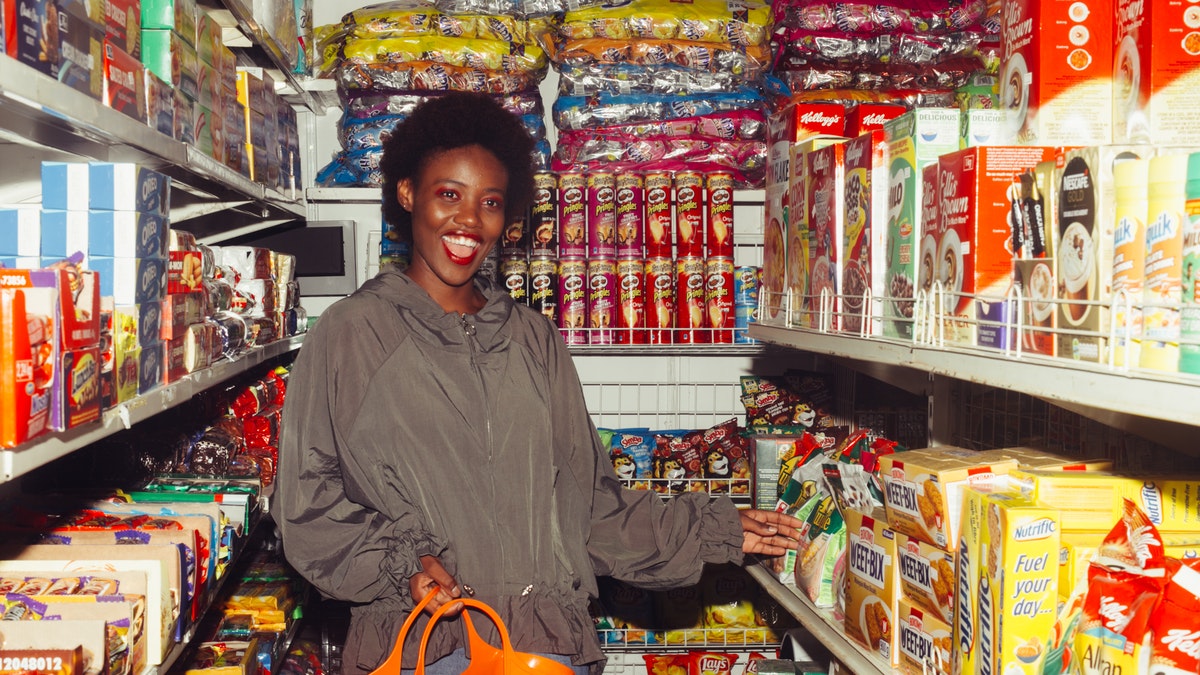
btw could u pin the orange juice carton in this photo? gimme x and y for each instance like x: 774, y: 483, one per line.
x: 1162, y: 290
x: 966, y: 633
x: 924, y: 640
x: 864, y: 216
x: 973, y: 257
x: 826, y: 201
x: 1132, y: 193
x: 1056, y: 72
x: 872, y: 584
x: 927, y: 577
x: 915, y: 139
x: 1155, y: 71
x: 868, y: 116
x: 1083, y: 244
x: 923, y: 490
x: 797, y: 238
x: 1018, y: 584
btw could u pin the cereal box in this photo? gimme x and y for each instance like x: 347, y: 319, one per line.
x: 826, y: 197
x: 1018, y: 584
x: 797, y: 237
x: 924, y: 641
x: 923, y: 490
x: 1087, y: 500
x: 1155, y: 72
x: 966, y: 593
x: 1056, y: 72
x: 915, y: 139
x: 929, y: 228
x: 864, y: 220
x: 872, y: 585
x: 1037, y: 459
x: 868, y: 116
x: 927, y: 577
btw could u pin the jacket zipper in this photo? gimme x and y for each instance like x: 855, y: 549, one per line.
x: 468, y: 330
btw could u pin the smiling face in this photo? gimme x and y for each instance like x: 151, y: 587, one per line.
x: 457, y: 206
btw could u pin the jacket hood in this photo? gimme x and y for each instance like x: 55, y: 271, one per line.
x: 434, y: 324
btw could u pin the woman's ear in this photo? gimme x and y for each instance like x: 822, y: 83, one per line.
x: 404, y: 194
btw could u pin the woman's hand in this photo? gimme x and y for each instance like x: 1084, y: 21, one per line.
x: 434, y: 578
x: 768, y: 532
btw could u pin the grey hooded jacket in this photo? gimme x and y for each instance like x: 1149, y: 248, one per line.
x: 408, y: 431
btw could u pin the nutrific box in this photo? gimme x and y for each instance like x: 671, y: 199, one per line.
x: 865, y: 217
x: 1056, y: 71
x: 1155, y: 71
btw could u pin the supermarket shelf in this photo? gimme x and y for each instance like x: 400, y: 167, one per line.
x: 1161, y: 396
x: 371, y: 194
x: 270, y: 46
x: 669, y: 350
x: 24, y: 459
x: 820, y: 624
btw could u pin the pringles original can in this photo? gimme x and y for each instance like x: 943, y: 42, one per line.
x: 601, y: 215
x: 602, y: 300
x: 542, y: 228
x: 659, y: 235
x: 631, y: 302
x: 718, y: 209
x: 690, y: 325
x: 631, y: 214
x: 689, y: 214
x: 718, y: 299
x: 572, y: 215
x: 514, y: 274
x: 572, y: 301
x: 543, y: 287
x: 660, y: 301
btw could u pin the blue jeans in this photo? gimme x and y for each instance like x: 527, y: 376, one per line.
x: 456, y: 662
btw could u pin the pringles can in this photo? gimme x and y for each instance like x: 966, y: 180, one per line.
x: 602, y: 297
x: 659, y: 233
x: 689, y: 214
x: 542, y: 228
x: 514, y: 275
x: 746, y: 279
x: 690, y: 326
x: 572, y: 215
x: 572, y: 301
x: 514, y: 241
x: 601, y: 215
x: 718, y: 299
x: 631, y: 302
x: 631, y: 214
x: 743, y: 316
x: 543, y: 287
x: 660, y: 301
x: 718, y: 211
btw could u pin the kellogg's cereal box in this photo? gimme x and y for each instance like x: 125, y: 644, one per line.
x: 798, y: 239
x: 872, y: 585
x: 925, y: 641
x: 927, y: 577
x: 864, y: 229
x: 1155, y: 71
x: 826, y: 196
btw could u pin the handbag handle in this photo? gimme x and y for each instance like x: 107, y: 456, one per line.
x: 391, y: 666
x: 506, y: 644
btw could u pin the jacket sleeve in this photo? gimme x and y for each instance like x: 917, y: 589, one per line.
x: 334, y: 533
x: 634, y: 535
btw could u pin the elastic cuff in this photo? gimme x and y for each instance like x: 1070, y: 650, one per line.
x: 404, y: 559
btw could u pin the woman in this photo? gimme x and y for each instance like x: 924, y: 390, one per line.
x: 435, y: 434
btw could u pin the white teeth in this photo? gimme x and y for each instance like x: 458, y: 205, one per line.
x: 460, y: 241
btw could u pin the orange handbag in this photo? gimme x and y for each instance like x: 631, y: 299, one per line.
x: 486, y: 658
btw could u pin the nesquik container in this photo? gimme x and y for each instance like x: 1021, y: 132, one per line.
x: 631, y: 302
x: 718, y: 299
x: 602, y: 296
x: 601, y: 215
x: 631, y: 215
x: 514, y: 275
x: 659, y: 239
x: 572, y: 215
x: 718, y: 206
x: 572, y: 301
x: 542, y: 228
x: 689, y: 214
x: 660, y: 301
x: 543, y: 287
x: 690, y: 325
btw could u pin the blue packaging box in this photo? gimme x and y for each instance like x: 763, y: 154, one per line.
x: 64, y: 233
x: 123, y: 186
x: 20, y: 232
x: 131, y: 281
x: 65, y: 186
x: 127, y: 234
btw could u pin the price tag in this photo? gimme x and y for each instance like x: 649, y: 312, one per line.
x: 41, y: 661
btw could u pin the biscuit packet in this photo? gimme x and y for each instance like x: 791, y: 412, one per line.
x: 1175, y: 649
x: 632, y: 452
x: 1125, y: 579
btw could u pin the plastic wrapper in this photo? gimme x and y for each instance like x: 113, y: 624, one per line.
x: 890, y: 48
x: 629, y: 610
x: 580, y: 148
x: 357, y: 168
x: 231, y: 332
x: 889, y: 16
x: 261, y: 430
x: 479, y: 54
x: 212, y: 453
x: 220, y: 294
x: 415, y: 17
x: 261, y: 330
x: 579, y: 112
x: 748, y: 62
x: 520, y: 8
x: 798, y: 75
x: 268, y: 458
x: 430, y: 76
x: 625, y: 78
x: 742, y: 125
x: 746, y: 22
x: 360, y: 134
x: 366, y: 104
x: 913, y: 98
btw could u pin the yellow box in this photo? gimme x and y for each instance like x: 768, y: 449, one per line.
x: 923, y: 489
x: 872, y: 584
x: 1172, y: 503
x: 1018, y: 584
x: 1092, y: 497
x: 927, y: 577
x: 1035, y: 459
x: 966, y: 571
x: 1075, y: 552
x: 924, y: 639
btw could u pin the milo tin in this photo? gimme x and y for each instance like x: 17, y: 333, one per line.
x: 631, y: 302
x: 601, y: 215
x: 572, y: 215
x: 572, y: 301
x: 514, y: 275
x: 718, y: 210
x: 543, y: 287
x: 631, y: 214
x: 542, y: 229
x: 689, y: 214
x: 602, y: 297
x: 718, y: 299
x: 660, y: 301
x: 658, y: 236
x: 690, y: 326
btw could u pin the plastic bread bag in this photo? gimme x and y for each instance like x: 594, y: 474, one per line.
x: 584, y: 148
x: 579, y: 112
x: 742, y: 22
x: 799, y: 75
x: 836, y: 46
x: 889, y: 16
x: 626, y: 78
x: 477, y: 53
x: 429, y: 76
x: 363, y: 104
x: 747, y: 62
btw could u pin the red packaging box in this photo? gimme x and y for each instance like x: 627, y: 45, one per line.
x: 865, y: 229
x: 826, y: 204
x: 1156, y: 72
x: 866, y: 117
x: 123, y: 25
x: 180, y: 310
x: 124, y: 82
x: 26, y: 354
